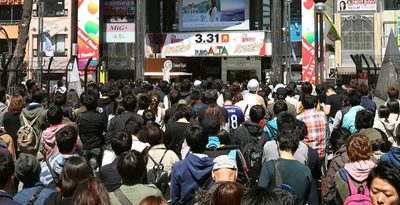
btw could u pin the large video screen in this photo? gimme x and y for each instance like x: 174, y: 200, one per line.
x: 202, y: 15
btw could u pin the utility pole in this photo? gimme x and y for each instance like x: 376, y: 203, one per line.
x: 40, y: 10
x: 287, y: 45
x: 140, y: 36
x: 276, y: 24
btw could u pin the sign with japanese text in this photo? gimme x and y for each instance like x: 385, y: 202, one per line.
x: 356, y: 5
x: 120, y: 33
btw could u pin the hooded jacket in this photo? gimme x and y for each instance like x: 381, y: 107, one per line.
x: 246, y: 133
x: 393, y: 156
x: 49, y: 141
x: 187, y: 176
x: 387, y: 126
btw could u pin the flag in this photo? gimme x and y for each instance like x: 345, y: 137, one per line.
x: 333, y: 34
x: 75, y: 80
x: 48, y: 48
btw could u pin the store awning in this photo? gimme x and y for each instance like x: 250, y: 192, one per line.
x: 170, y: 74
x: 346, y: 70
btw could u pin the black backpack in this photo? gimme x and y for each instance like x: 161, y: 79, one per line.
x: 252, y: 153
x: 158, y: 176
x: 284, y: 191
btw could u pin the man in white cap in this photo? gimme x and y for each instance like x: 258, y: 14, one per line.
x: 224, y: 169
x: 252, y: 98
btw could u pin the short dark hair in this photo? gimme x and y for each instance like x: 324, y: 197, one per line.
x: 354, y: 97
x: 280, y: 106
x: 211, y: 125
x: 60, y: 99
x: 210, y: 96
x: 393, y: 92
x: 363, y: 89
x: 6, y: 169
x: 339, y: 137
x: 132, y: 126
x: 393, y: 105
x: 301, y: 128
x: 75, y: 170
x: 398, y: 134
x: 286, y: 120
x: 129, y: 102
x: 174, y: 96
x: 89, y: 99
x: 306, y: 87
x: 288, y: 140
x: 121, y: 142
x: 30, y: 83
x: 308, y: 101
x: 196, y: 138
x: 256, y: 113
x: 154, y: 135
x: 387, y: 172
x: 260, y: 196
x: 383, y: 111
x: 143, y: 101
x: 185, y: 85
x: 37, y: 95
x: 183, y: 110
x: 364, y: 119
x: 131, y: 167
x: 228, y: 94
x: 149, y: 116
x: 54, y: 114
x: 66, y: 139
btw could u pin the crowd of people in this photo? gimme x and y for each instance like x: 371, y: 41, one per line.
x: 204, y: 142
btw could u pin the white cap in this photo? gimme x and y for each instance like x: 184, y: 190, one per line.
x: 252, y: 85
x: 197, y: 83
x: 280, y: 85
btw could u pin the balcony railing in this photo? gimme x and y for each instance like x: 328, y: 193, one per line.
x: 56, y: 53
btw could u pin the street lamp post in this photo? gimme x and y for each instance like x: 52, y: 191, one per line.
x: 319, y: 8
x: 286, y: 36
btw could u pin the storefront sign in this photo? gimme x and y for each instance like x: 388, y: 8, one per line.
x: 88, y: 34
x: 215, y: 44
x: 10, y: 2
x: 308, y: 41
x: 119, y: 11
x: 213, y: 15
x: 120, y: 33
x: 356, y: 5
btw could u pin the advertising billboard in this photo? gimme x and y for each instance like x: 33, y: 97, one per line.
x: 251, y: 43
x: 356, y: 5
x: 308, y: 60
x: 200, y: 15
x: 88, y: 35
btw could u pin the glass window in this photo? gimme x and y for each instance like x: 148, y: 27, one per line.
x: 54, y: 8
x: 58, y: 41
x: 357, y: 32
x: 392, y: 5
x: 5, y: 13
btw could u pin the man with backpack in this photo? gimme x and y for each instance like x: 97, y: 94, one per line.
x: 286, y: 172
x: 33, y: 121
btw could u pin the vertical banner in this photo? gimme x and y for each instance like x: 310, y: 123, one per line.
x: 398, y: 31
x: 308, y: 62
x: 88, y: 36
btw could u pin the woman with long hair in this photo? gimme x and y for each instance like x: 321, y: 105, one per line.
x: 11, y: 119
x: 212, y: 12
x: 158, y: 110
x: 91, y: 192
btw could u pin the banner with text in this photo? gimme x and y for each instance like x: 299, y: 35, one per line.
x: 398, y: 31
x: 356, y: 5
x: 88, y: 35
x: 215, y: 44
x: 308, y: 50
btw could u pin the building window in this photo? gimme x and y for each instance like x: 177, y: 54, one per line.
x: 10, y: 13
x: 392, y: 5
x: 266, y: 15
x: 53, y: 8
x: 4, y: 45
x: 59, y: 43
x: 357, y: 32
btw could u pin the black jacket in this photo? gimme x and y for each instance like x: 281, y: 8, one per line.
x: 246, y: 133
x: 118, y: 123
x: 91, y: 125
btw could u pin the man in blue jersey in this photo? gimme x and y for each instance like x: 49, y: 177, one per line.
x: 235, y: 114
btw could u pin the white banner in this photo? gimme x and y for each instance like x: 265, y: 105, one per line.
x: 215, y: 44
x: 356, y: 5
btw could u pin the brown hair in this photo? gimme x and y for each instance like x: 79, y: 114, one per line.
x: 393, y: 92
x: 154, y: 101
x: 214, y: 111
x: 358, y: 147
x: 227, y: 193
x: 153, y: 200
x: 17, y: 103
x: 91, y: 191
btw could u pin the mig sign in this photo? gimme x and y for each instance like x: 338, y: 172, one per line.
x: 120, y: 33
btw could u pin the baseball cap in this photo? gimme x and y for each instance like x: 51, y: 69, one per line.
x: 197, y: 83
x: 224, y: 162
x: 253, y: 85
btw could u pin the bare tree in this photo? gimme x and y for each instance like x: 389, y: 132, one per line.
x: 23, y: 36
